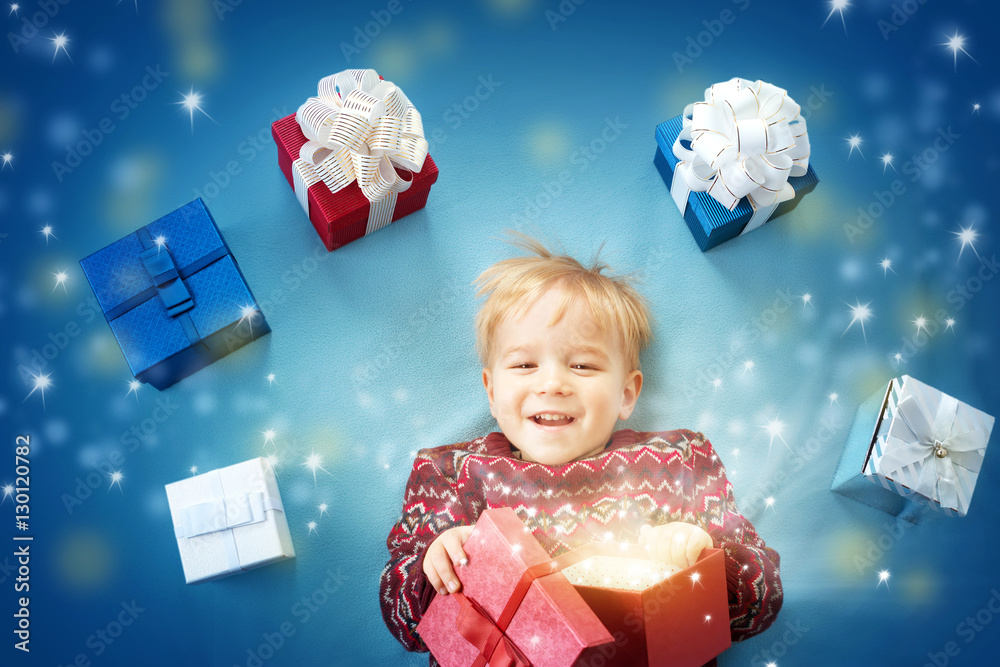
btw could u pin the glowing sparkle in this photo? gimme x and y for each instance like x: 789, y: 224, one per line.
x: 949, y: 323
x: 59, y: 42
x: 883, y: 577
x: 807, y: 299
x: 272, y: 460
x: 898, y: 357
x: 859, y: 314
x: 854, y: 141
x: 955, y: 44
x: 323, y: 507
x: 769, y: 502
x: 312, y: 527
x: 771, y: 664
x: 920, y: 323
x: 160, y: 242
x: 13, y: 9
x: 886, y: 265
x: 61, y: 278
x: 748, y: 366
x: 47, y: 232
x: 775, y: 427
x: 833, y: 396
x: 313, y: 462
x: 133, y: 388
x: 8, y: 157
x: 116, y: 478
x: 40, y: 383
x: 8, y: 491
x: 968, y: 237
x: 708, y: 618
x: 695, y: 579
x: 247, y: 314
x: 193, y: 470
x: 192, y: 102
x: 838, y: 6
x: 717, y: 382
x: 975, y: 108
x: 270, y: 379
x: 736, y: 454
x: 887, y: 159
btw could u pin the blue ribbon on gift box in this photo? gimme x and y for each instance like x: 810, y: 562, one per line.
x: 168, y: 282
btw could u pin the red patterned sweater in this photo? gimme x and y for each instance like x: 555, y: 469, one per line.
x: 639, y: 478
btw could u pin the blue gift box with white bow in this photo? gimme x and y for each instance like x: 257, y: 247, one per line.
x: 736, y: 160
x: 174, y: 296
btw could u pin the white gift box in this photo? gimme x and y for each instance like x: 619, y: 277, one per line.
x: 928, y: 446
x: 229, y: 520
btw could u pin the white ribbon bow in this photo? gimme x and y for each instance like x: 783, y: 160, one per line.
x: 746, y: 140
x: 225, y: 513
x: 934, y: 440
x: 359, y: 129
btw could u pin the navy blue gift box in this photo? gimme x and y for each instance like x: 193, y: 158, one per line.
x: 710, y: 222
x: 174, y: 296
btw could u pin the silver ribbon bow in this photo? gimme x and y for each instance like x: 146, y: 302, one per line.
x: 931, y: 445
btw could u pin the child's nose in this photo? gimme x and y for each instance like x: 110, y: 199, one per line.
x: 553, y: 381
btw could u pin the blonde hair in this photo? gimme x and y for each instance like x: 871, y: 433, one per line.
x: 512, y: 285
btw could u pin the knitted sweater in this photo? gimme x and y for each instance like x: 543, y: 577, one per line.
x: 639, y: 478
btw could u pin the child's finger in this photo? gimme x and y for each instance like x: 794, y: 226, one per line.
x: 453, y: 545
x: 442, y: 563
x: 432, y: 576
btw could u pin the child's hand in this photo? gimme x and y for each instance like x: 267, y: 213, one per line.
x: 445, y: 554
x: 677, y: 542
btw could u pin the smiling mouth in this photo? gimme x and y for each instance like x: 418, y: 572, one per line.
x: 552, y: 419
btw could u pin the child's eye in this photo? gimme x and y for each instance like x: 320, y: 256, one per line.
x: 584, y: 367
x: 526, y: 364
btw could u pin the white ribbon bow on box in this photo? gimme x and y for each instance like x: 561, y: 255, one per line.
x: 934, y: 440
x: 746, y: 139
x: 359, y: 128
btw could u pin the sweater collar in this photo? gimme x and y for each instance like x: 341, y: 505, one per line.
x: 497, y: 443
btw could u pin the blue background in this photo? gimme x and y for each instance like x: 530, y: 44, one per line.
x: 372, y: 345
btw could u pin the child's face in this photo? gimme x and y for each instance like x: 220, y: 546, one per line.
x: 570, y: 371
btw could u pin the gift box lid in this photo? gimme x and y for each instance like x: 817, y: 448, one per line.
x: 289, y: 138
x: 229, y: 520
x: 553, y: 625
x: 715, y: 223
x: 169, y: 285
x: 934, y: 445
x: 118, y: 274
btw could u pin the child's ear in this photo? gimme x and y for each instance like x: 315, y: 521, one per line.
x: 630, y: 394
x: 488, y: 383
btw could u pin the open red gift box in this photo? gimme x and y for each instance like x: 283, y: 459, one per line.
x: 341, y: 217
x: 518, y: 608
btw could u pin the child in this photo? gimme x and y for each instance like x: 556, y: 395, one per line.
x: 560, y: 348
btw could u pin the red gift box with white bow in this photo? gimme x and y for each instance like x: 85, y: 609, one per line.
x: 355, y: 156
